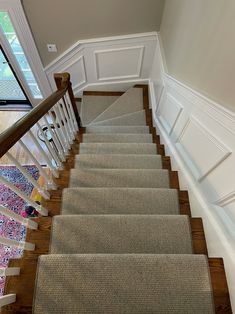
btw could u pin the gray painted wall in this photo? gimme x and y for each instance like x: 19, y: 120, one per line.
x: 199, y: 44
x: 66, y: 22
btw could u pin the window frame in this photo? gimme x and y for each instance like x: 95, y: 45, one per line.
x: 15, y: 10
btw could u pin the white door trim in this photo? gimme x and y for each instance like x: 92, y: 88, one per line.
x: 16, y: 13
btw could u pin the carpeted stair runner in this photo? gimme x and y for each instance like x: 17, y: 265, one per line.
x: 118, y: 161
x: 120, y: 201
x: 123, y: 283
x: 120, y: 244
x: 117, y: 138
x: 117, y: 148
x: 118, y: 129
x: 136, y: 178
x: 120, y: 234
x: 136, y: 118
x: 133, y: 100
x: 91, y: 107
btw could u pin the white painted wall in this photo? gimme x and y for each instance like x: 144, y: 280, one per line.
x: 199, y: 135
x: 107, y: 63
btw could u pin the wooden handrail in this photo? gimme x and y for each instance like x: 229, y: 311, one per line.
x: 14, y: 133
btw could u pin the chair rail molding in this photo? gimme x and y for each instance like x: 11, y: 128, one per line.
x: 107, y: 63
x: 199, y: 135
x: 16, y: 13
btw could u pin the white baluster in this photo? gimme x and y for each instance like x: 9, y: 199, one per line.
x: 65, y: 124
x: 53, y: 169
x: 18, y: 244
x: 40, y: 189
x: 70, y: 110
x: 7, y: 299
x: 21, y: 194
x: 55, y: 140
x: 50, y: 148
x: 49, y: 183
x: 68, y: 118
x: 9, y: 271
x: 62, y: 126
x: 59, y: 132
x: 73, y: 114
x: 29, y: 223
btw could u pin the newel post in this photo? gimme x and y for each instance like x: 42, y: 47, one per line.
x: 62, y: 80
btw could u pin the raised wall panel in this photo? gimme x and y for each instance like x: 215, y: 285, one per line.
x: 201, y: 151
x: 124, y: 60
x: 77, y: 71
x: 170, y: 113
x: 121, y: 63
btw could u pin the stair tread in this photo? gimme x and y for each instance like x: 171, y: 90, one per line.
x: 120, y: 234
x: 117, y: 138
x: 117, y: 129
x: 93, y: 106
x: 155, y: 178
x: 126, y: 161
x: 120, y: 201
x: 129, y: 102
x: 118, y: 148
x: 123, y: 283
x: 136, y: 118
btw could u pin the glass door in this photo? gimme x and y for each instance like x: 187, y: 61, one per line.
x: 17, y: 81
x: 11, y: 91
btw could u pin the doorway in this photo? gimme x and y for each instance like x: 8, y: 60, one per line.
x: 11, y: 91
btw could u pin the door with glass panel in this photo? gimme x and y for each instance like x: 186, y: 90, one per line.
x: 17, y: 81
x: 11, y: 91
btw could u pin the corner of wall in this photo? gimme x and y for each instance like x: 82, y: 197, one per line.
x: 199, y: 135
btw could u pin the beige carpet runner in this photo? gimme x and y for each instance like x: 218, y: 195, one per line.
x: 120, y: 245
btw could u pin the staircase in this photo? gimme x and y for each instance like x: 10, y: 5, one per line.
x: 124, y: 241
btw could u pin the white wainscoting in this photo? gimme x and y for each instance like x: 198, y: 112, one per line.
x: 107, y: 63
x: 199, y: 134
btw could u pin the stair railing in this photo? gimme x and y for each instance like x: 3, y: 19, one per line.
x: 56, y: 121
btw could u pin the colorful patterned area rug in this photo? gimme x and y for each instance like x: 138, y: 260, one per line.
x: 8, y: 227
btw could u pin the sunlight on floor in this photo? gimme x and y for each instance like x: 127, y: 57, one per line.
x: 7, y: 119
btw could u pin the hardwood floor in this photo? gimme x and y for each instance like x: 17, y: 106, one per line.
x: 7, y: 119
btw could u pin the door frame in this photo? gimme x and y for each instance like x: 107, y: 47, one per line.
x: 15, y: 10
x: 13, y: 101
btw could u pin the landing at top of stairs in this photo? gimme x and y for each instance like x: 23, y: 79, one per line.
x: 99, y: 108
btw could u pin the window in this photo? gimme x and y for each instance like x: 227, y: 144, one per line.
x: 8, y: 30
